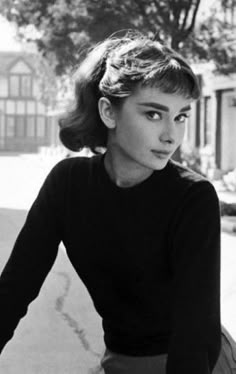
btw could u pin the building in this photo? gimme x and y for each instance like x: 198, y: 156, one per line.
x: 211, y: 131
x: 24, y: 121
x: 212, y: 126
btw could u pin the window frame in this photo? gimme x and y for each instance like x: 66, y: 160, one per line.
x: 13, y: 134
x: 21, y: 93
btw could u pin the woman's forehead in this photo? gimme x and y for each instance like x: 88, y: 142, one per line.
x: 153, y: 95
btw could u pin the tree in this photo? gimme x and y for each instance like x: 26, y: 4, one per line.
x: 215, y: 40
x: 47, y: 82
x: 68, y: 26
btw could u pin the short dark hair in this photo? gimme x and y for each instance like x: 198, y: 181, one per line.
x: 113, y: 69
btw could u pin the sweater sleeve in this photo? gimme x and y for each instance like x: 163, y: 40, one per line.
x: 33, y: 254
x: 195, y: 341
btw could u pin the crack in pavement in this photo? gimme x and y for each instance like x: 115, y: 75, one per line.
x: 73, y: 324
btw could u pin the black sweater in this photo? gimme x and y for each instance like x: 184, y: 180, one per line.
x: 149, y: 256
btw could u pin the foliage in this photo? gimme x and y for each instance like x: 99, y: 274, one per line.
x: 227, y: 209
x: 192, y: 159
x: 46, y: 81
x: 229, y: 180
x: 215, y: 40
x: 68, y: 26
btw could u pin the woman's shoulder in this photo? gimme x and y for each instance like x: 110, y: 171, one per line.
x: 188, y: 180
x: 184, y: 174
x: 73, y: 164
x: 194, y: 185
x: 68, y: 171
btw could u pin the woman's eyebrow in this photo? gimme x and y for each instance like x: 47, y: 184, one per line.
x: 163, y: 107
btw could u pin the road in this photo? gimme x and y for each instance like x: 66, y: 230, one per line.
x: 62, y: 332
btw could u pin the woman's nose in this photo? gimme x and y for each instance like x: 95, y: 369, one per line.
x: 168, y: 132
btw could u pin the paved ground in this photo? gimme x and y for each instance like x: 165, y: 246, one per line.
x: 62, y: 333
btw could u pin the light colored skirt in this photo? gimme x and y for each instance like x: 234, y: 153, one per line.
x: 115, y: 363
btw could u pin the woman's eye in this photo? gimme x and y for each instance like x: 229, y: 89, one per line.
x: 153, y: 115
x: 181, y: 118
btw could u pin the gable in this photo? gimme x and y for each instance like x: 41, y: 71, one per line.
x: 20, y: 67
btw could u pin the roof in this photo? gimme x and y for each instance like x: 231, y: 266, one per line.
x: 8, y: 59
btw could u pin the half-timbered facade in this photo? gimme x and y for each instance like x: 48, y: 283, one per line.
x: 24, y: 123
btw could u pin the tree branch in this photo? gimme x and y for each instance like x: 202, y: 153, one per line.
x: 191, y: 27
x: 163, y: 20
x: 187, y: 9
x: 176, y: 9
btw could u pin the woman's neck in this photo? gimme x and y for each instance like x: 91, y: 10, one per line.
x: 124, y: 173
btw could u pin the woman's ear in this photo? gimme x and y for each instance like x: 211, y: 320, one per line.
x: 106, y: 112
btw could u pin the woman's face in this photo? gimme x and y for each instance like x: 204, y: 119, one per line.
x: 149, y: 127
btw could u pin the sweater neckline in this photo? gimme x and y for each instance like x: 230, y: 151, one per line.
x: 109, y: 184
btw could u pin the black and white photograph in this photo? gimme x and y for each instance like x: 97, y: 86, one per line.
x: 118, y: 187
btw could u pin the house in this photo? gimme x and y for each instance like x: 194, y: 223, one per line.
x: 24, y: 121
x: 212, y: 126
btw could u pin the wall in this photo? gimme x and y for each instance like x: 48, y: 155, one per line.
x: 228, y: 128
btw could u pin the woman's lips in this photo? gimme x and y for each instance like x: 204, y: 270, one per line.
x: 161, y: 154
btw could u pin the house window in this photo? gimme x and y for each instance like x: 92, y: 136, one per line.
x: 20, y: 126
x: 15, y: 85
x: 20, y: 85
x: 20, y: 107
x: 26, y: 90
x: 10, y: 107
x: 10, y: 126
x: 30, y: 107
x: 41, y: 126
x: 30, y: 126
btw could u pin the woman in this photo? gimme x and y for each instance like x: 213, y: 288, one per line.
x: 142, y: 231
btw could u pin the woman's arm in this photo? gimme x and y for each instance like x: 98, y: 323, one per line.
x: 33, y: 254
x: 196, y: 339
